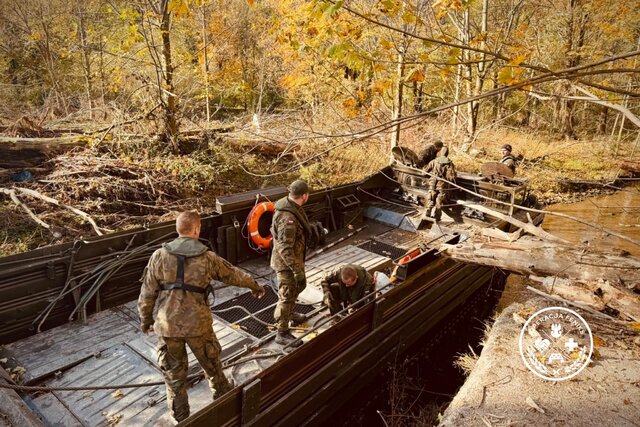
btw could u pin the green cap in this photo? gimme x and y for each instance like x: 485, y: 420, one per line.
x: 298, y: 187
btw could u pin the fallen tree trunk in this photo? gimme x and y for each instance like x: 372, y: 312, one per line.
x: 539, y: 258
x: 26, y: 152
x: 630, y: 166
x: 598, y: 295
x: 593, y: 279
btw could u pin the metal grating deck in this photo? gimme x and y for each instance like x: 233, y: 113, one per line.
x: 383, y: 249
x: 262, y: 309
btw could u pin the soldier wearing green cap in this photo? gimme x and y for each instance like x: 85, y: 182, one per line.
x: 290, y: 230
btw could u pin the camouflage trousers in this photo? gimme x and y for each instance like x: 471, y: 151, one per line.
x: 172, y: 359
x: 436, y: 197
x: 288, y: 291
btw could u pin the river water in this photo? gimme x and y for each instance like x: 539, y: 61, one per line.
x: 618, y: 212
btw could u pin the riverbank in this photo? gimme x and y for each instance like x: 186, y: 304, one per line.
x: 124, y: 183
x: 607, y: 392
x: 501, y: 391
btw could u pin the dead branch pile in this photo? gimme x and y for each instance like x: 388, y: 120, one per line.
x: 87, y: 195
x: 27, y: 127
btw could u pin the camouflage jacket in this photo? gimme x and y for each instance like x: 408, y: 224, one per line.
x: 290, y: 229
x: 440, y: 167
x: 182, y: 313
x: 510, y: 162
x: 349, y: 294
x: 428, y: 153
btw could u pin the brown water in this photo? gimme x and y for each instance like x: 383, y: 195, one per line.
x: 618, y: 212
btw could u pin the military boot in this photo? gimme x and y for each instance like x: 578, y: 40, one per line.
x: 287, y: 338
x: 298, y: 318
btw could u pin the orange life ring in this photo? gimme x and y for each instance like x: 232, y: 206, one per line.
x: 408, y: 257
x: 254, y: 220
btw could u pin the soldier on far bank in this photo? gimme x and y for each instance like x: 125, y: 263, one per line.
x: 440, y: 168
x: 345, y: 286
x: 291, y: 230
x: 178, y: 278
x: 507, y: 159
x: 429, y: 152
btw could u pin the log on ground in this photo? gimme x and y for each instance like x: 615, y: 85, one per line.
x: 25, y: 152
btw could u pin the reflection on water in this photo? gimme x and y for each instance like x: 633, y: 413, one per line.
x: 619, y: 212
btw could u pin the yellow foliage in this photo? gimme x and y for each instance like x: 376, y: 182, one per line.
x: 292, y: 81
x: 518, y: 59
x: 445, y: 73
x: 380, y: 86
x: 416, y: 76
x: 386, y: 44
x: 350, y: 106
x: 179, y: 8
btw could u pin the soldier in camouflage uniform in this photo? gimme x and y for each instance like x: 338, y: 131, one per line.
x: 429, y: 152
x: 290, y: 230
x: 440, y: 167
x: 346, y: 285
x: 507, y: 159
x: 178, y: 278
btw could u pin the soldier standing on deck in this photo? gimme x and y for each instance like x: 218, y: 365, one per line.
x: 439, y: 168
x: 290, y: 230
x: 178, y: 278
x: 345, y: 286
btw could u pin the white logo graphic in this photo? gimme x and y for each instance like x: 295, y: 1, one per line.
x: 556, y: 343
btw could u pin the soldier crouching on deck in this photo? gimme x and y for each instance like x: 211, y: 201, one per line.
x: 178, y: 277
x: 345, y: 286
x: 291, y: 231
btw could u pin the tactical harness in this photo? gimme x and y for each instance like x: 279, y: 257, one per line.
x: 179, y: 283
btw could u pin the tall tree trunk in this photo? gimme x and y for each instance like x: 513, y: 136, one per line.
x: 576, y: 23
x: 86, y: 52
x: 205, y: 62
x: 397, y: 99
x: 468, y: 78
x: 170, y: 105
x: 455, y: 119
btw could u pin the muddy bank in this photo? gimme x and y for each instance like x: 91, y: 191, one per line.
x: 501, y: 391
